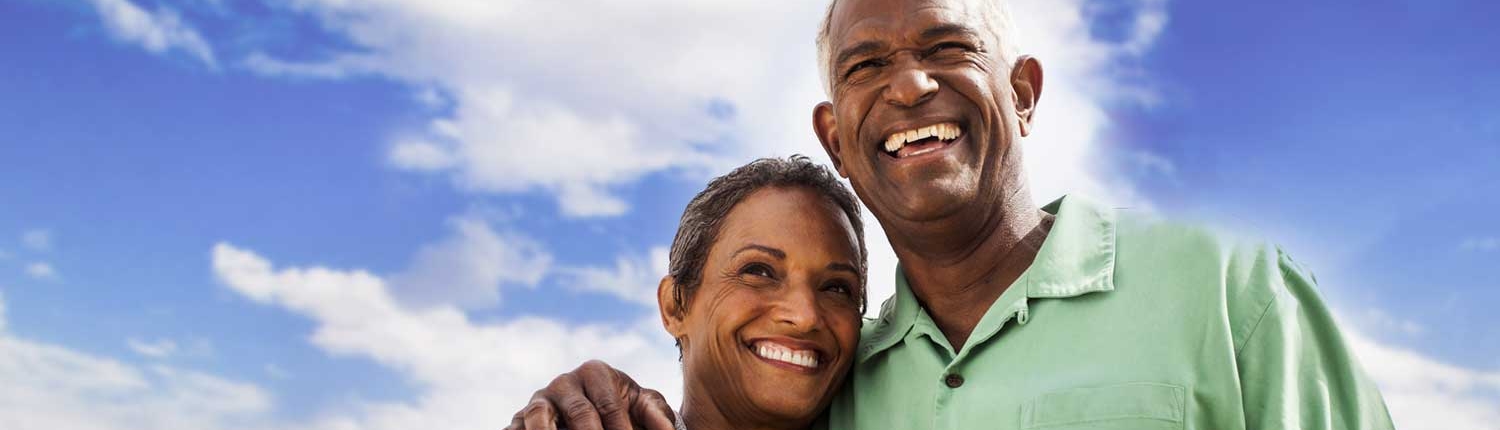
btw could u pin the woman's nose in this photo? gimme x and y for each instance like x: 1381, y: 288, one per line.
x: 798, y: 308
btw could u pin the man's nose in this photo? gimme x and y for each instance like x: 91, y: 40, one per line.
x: 910, y: 85
x: 798, y: 308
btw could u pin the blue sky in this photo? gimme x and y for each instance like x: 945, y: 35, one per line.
x: 318, y: 214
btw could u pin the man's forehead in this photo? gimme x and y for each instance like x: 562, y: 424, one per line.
x: 866, y: 19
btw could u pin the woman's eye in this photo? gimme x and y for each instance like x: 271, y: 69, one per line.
x: 758, y: 269
x: 840, y: 288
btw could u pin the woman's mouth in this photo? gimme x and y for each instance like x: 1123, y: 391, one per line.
x: 803, y: 360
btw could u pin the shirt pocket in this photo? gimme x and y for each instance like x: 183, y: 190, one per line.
x: 1137, y: 405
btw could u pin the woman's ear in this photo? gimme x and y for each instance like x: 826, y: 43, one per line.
x: 671, y: 313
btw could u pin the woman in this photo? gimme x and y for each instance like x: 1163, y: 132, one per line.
x: 764, y: 295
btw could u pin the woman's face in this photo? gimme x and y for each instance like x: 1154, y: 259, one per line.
x: 772, y: 329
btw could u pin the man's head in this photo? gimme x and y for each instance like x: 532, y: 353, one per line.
x: 928, y: 102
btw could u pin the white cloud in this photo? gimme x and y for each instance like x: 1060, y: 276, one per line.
x: 277, y: 372
x: 468, y: 267
x: 54, y: 388
x: 1480, y: 244
x: 161, y: 348
x: 633, y: 278
x: 39, y: 240
x: 470, y: 375
x: 41, y: 271
x: 1425, y: 393
x: 156, y: 32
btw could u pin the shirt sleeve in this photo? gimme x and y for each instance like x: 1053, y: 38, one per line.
x: 1296, y: 370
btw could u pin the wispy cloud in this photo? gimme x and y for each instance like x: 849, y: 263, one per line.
x: 156, y: 32
x: 39, y: 240
x: 161, y: 348
x: 1480, y: 244
x: 41, y: 271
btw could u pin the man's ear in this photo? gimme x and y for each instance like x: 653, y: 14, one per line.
x: 671, y: 313
x: 1026, y: 80
x: 827, y: 130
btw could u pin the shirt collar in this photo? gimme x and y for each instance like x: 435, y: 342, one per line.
x: 1077, y: 258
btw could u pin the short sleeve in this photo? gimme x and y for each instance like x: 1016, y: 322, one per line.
x: 1296, y: 370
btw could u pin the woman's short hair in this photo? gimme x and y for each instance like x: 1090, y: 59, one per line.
x: 705, y: 213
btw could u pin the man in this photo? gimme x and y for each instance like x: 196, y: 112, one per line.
x: 1006, y: 316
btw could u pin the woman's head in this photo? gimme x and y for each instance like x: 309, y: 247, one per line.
x: 766, y: 288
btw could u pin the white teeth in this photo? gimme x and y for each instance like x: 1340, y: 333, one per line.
x: 776, y: 352
x: 898, y: 140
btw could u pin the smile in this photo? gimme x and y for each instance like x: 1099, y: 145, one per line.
x: 921, y: 140
x: 777, y: 353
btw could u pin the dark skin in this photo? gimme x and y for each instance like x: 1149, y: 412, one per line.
x: 782, y: 274
x: 960, y: 217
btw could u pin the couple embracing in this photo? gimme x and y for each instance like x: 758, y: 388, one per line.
x: 1070, y: 316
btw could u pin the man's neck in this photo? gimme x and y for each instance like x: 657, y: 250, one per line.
x: 958, y: 276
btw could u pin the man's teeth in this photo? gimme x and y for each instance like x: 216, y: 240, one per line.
x: 944, y: 131
x: 780, y: 353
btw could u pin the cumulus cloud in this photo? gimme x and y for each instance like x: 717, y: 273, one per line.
x: 156, y: 32
x: 470, y: 375
x: 633, y: 278
x: 468, y: 267
x: 39, y: 240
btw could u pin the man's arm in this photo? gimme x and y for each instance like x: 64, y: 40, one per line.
x: 1296, y: 370
x: 594, y: 397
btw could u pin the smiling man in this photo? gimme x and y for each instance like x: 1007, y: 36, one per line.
x: 1008, y: 316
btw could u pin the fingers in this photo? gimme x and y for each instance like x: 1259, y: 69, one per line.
x: 540, y: 415
x: 651, y: 411
x: 602, y: 385
x: 517, y: 422
x: 567, y: 394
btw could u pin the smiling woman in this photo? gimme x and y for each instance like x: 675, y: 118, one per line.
x: 764, y: 296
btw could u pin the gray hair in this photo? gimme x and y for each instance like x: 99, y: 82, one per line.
x: 705, y: 213
x: 996, y: 14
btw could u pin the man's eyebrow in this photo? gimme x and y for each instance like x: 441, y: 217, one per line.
x: 948, y: 29
x: 843, y: 267
x: 861, y: 48
x: 779, y: 254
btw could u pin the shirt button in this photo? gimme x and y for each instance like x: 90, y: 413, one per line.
x: 954, y: 380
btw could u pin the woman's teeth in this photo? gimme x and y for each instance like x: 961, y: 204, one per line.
x: 771, y: 351
x: 945, y: 132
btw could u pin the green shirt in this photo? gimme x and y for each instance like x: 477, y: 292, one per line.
x: 1121, y: 322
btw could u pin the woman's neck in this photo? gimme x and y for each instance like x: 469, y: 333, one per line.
x: 701, y: 412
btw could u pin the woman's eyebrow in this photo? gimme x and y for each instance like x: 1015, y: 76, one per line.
x: 779, y: 254
x: 843, y: 267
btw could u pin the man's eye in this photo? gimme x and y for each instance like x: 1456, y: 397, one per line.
x: 863, y: 65
x: 949, y: 48
x: 758, y: 269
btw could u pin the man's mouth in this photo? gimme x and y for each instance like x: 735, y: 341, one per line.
x: 921, y: 140
x: 801, y: 359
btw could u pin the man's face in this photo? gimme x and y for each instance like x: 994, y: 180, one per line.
x: 924, y: 111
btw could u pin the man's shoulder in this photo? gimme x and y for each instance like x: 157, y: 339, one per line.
x: 1248, y: 273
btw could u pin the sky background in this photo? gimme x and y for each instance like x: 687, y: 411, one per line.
x: 395, y: 214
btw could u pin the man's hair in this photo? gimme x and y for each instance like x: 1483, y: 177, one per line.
x: 705, y: 213
x: 996, y: 14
